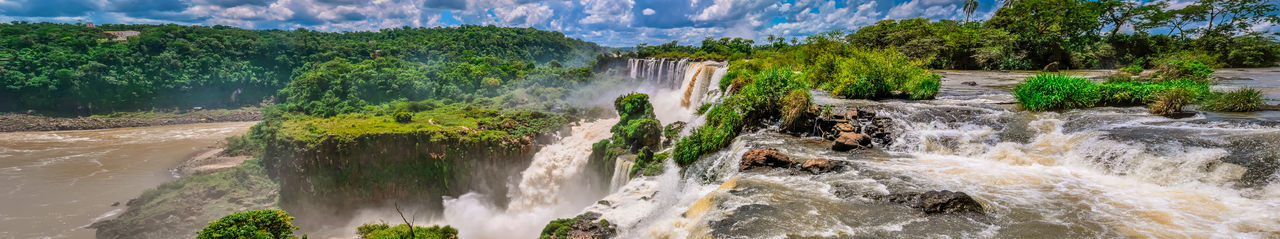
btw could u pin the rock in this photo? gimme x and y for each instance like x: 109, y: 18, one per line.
x: 115, y: 204
x: 1051, y: 67
x: 851, y: 141
x: 969, y: 83
x: 764, y: 158
x: 1221, y: 78
x: 846, y: 127
x: 590, y: 226
x: 937, y: 202
x: 819, y: 166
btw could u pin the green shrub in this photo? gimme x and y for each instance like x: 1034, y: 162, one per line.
x: 703, y: 108
x: 1241, y: 100
x: 876, y: 74
x: 1181, y: 69
x: 403, y: 117
x: 1056, y: 92
x: 267, y: 223
x: 1133, y: 70
x: 1119, y: 76
x: 794, y: 108
x: 1170, y: 101
x: 384, y: 231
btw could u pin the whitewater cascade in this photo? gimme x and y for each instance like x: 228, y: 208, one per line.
x: 550, y: 188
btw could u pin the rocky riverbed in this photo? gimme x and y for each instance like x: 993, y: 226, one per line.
x: 18, y: 122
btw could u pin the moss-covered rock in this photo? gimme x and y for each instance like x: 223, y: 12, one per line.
x: 637, y: 131
x: 586, y: 225
x: 384, y: 231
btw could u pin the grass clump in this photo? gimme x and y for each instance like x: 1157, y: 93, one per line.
x: 1056, y: 92
x: 1170, y: 101
x: 384, y: 231
x: 1241, y: 100
x: 1133, y: 70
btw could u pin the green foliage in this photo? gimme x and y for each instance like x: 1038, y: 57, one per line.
x: 758, y: 101
x: 702, y: 109
x: 403, y: 117
x: 558, y: 228
x: 1240, y: 100
x: 66, y: 68
x: 1056, y: 92
x: 1133, y: 70
x: 1180, y: 69
x: 263, y: 224
x: 1170, y: 101
x: 1061, y: 92
x: 384, y: 231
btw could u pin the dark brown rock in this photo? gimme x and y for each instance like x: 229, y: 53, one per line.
x: 1051, y: 67
x: 851, y: 141
x: 969, y: 83
x: 937, y: 202
x: 764, y: 158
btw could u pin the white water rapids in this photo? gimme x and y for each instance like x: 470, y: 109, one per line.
x: 554, y: 184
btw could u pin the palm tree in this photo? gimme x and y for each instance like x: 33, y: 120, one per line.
x: 969, y: 7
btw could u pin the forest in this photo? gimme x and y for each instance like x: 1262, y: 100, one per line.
x: 72, y: 69
x: 1030, y: 34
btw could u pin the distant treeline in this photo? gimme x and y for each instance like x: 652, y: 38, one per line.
x: 71, y: 68
x: 1029, y: 34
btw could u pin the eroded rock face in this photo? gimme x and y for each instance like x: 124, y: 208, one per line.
x: 936, y: 202
x: 850, y: 141
x: 764, y: 158
x: 851, y: 120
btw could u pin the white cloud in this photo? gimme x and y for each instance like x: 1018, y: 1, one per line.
x: 648, y: 11
x: 601, y: 11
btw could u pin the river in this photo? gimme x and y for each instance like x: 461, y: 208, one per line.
x: 55, y: 183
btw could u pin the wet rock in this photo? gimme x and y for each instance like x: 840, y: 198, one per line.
x: 969, y: 83
x: 851, y: 141
x: 764, y: 158
x: 846, y: 127
x: 936, y: 202
x: 115, y: 204
x: 1051, y: 67
x: 820, y: 166
x: 1222, y: 78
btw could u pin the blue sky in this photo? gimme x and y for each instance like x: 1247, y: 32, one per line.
x: 609, y: 22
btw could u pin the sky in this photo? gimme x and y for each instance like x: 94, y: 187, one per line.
x: 615, y: 23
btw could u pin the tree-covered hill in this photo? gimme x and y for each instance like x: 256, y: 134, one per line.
x: 71, y: 68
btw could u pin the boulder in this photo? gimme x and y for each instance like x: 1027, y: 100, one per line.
x: 846, y: 127
x: 585, y: 226
x: 937, y: 202
x: 850, y: 141
x: 819, y: 166
x: 764, y: 158
x: 1051, y: 67
x: 969, y: 83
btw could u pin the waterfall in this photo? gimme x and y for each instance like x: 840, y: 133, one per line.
x: 550, y: 188
x: 621, y: 172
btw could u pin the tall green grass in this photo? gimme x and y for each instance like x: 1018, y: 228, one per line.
x: 1046, y: 92
x: 1241, y: 100
x: 1056, y: 92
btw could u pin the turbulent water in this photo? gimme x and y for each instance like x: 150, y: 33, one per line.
x: 1104, y: 172
x: 55, y: 183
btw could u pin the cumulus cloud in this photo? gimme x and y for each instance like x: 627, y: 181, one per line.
x: 609, y: 22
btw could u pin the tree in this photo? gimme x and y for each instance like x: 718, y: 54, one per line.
x: 259, y: 224
x: 969, y: 7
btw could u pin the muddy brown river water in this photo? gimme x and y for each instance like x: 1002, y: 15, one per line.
x: 53, y: 184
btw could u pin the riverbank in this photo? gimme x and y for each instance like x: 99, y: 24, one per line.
x: 16, y: 122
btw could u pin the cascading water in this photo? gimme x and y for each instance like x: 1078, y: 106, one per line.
x: 550, y: 188
x: 1104, y: 172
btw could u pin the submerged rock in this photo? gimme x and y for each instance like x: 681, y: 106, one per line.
x: 850, y: 141
x: 820, y: 166
x: 969, y: 83
x: 764, y: 158
x: 936, y: 202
